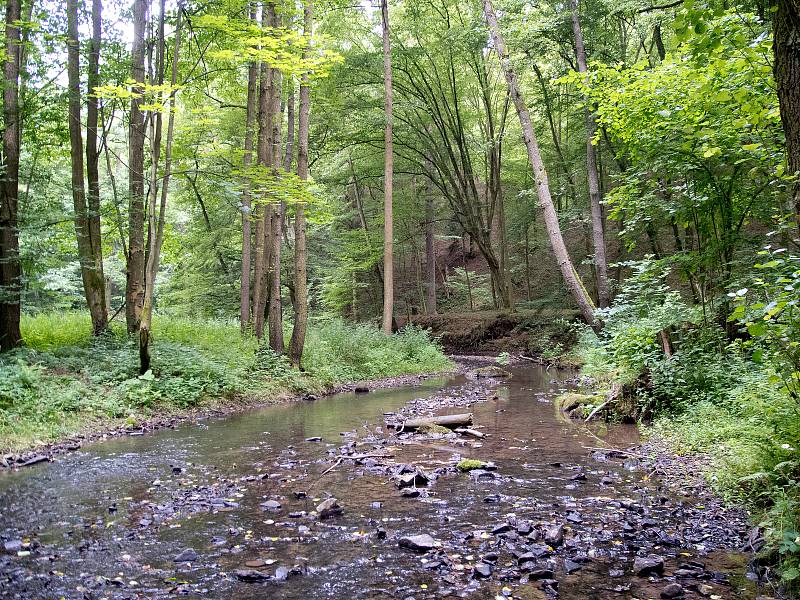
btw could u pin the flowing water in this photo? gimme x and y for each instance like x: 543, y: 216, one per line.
x: 108, y: 520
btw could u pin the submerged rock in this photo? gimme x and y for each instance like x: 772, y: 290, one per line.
x: 250, y: 575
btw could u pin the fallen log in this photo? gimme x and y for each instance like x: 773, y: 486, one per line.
x: 449, y: 421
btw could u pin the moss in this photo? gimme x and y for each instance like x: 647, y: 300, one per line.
x: 468, y: 464
x: 429, y: 429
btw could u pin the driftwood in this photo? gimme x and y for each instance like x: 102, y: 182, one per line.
x: 450, y: 421
x: 613, y: 396
x: 472, y: 432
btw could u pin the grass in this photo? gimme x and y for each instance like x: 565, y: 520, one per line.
x: 64, y: 381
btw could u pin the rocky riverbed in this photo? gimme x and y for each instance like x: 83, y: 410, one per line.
x: 333, y: 498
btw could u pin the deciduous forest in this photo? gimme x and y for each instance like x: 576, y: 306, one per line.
x: 544, y: 257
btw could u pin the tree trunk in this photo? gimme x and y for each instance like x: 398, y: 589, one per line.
x: 252, y: 93
x: 10, y: 267
x: 388, y: 172
x: 91, y: 268
x: 430, y: 255
x: 276, y: 341
x: 156, y: 227
x: 134, y: 288
x: 787, y: 77
x: 262, y: 213
x: 300, y: 304
x: 571, y: 277
x: 595, y: 196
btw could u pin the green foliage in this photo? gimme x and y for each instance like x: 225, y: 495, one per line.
x: 65, y: 380
x: 458, y: 290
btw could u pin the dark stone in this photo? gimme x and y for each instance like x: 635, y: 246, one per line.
x: 554, y: 535
x: 570, y: 566
x: 649, y: 565
x: 524, y: 527
x: 578, y: 477
x: 188, y: 555
x: 316, y: 438
x: 329, y: 508
x: 299, y: 494
x: 503, y: 528
x: 673, y: 590
x: 492, y: 498
x: 410, y: 492
x: 482, y: 571
x: 417, y: 543
x: 361, y: 389
x: 250, y: 575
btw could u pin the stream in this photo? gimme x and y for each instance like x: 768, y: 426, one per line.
x: 226, y: 508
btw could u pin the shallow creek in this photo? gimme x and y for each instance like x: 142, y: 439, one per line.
x: 110, y: 519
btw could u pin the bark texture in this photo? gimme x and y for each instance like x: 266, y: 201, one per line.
x: 10, y: 268
x: 787, y: 76
x: 595, y: 196
x: 571, y: 278
x: 300, y: 255
x: 388, y: 172
x: 89, y: 249
x: 134, y: 285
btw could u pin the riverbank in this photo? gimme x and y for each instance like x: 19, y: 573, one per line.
x: 65, y: 388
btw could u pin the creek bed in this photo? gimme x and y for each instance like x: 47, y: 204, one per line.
x: 224, y: 509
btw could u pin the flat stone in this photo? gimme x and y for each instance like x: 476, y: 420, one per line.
x: 13, y: 546
x: 554, y: 536
x: 329, y: 508
x: 417, y: 543
x: 649, y: 565
x: 250, y: 575
x: 271, y: 505
x: 316, y: 438
x: 570, y: 566
x: 187, y: 555
x: 482, y: 571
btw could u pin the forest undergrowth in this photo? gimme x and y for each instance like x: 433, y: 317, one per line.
x: 64, y: 381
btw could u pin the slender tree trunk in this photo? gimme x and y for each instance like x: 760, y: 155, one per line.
x: 91, y: 269
x: 388, y: 172
x: 787, y: 77
x: 262, y: 213
x: 157, y: 226
x: 300, y: 304
x: 93, y: 163
x: 10, y: 267
x: 134, y: 288
x: 430, y: 255
x: 252, y: 96
x: 571, y: 278
x: 276, y: 341
x: 595, y: 196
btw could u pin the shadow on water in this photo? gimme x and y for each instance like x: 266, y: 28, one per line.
x: 109, y: 520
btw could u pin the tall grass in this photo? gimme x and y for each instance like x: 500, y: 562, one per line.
x: 64, y: 379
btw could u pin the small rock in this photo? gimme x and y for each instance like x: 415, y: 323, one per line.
x: 329, y: 508
x: 417, y: 543
x: 316, y: 438
x: 250, y: 575
x: 271, y: 505
x: 570, y: 566
x: 554, y: 535
x: 503, y: 528
x: 673, y: 590
x: 361, y: 389
x: 578, y: 477
x: 492, y: 498
x: 13, y: 546
x: 482, y: 571
x: 187, y: 555
x: 410, y: 492
x: 376, y: 505
x: 299, y: 494
x: 649, y: 565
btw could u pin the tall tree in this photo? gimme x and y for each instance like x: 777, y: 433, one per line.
x: 787, y: 76
x: 135, y: 284
x: 90, y: 252
x: 10, y: 267
x: 595, y: 196
x: 156, y: 221
x: 275, y: 310
x: 247, y: 213
x: 388, y: 172
x: 300, y: 252
x: 430, y: 256
x: 571, y: 278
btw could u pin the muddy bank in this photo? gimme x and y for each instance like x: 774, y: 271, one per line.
x: 285, y: 503
x: 213, y: 408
